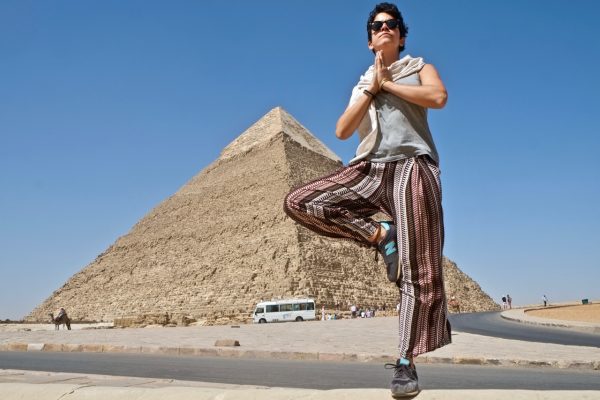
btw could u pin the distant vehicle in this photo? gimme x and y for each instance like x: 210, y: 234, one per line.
x: 284, y: 311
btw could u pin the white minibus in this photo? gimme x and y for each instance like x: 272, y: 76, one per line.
x: 284, y: 310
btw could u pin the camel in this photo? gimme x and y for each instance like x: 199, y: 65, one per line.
x: 62, y: 319
x: 454, y: 305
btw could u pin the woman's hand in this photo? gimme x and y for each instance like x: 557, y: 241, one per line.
x: 381, y: 73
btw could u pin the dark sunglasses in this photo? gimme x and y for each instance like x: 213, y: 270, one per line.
x: 377, y: 25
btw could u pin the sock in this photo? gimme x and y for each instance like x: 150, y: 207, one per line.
x: 403, y: 361
x: 385, y: 226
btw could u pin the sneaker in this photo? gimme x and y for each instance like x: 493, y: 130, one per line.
x: 389, y: 250
x: 405, y: 382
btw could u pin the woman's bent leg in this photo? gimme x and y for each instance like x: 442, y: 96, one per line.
x: 338, y: 205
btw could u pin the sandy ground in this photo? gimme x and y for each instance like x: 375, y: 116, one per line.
x: 49, y: 327
x: 581, y: 312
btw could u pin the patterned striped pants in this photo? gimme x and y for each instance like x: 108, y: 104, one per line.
x: 341, y: 205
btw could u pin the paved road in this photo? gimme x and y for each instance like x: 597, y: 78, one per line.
x: 492, y: 324
x: 299, y: 374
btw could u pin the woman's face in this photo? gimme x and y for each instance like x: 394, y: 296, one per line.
x: 385, y: 37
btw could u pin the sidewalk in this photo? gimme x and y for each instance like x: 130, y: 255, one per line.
x: 51, y: 386
x: 360, y: 340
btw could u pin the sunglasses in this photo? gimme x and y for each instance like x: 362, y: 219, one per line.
x: 377, y: 25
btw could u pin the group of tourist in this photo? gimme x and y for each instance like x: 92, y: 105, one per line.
x: 355, y: 312
x: 358, y: 312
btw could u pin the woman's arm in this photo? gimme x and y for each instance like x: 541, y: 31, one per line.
x: 431, y: 93
x: 350, y: 119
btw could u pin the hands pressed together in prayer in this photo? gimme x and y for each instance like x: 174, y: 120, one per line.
x: 381, y: 74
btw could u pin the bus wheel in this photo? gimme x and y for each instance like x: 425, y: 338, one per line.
x: 262, y: 321
x: 299, y: 319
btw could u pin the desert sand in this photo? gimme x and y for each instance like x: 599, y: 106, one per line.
x: 581, y: 312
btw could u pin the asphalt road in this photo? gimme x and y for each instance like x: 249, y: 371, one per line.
x: 492, y: 324
x: 298, y: 374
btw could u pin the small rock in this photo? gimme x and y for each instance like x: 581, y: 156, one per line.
x: 227, y: 343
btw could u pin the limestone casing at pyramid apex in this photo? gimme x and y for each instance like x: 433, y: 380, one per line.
x: 275, y: 122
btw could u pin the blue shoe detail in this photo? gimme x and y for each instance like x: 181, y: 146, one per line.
x: 390, y: 248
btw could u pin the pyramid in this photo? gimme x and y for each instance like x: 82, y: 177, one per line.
x: 222, y: 243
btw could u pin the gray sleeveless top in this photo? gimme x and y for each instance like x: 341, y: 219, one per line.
x: 403, y: 128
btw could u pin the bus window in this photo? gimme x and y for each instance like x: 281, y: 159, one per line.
x: 273, y: 308
x: 285, y: 307
x: 296, y: 307
x: 310, y: 306
x: 259, y: 310
x: 302, y: 306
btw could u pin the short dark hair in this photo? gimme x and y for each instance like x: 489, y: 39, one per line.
x: 391, y: 9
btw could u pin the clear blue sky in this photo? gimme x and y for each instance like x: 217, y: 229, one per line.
x: 109, y: 107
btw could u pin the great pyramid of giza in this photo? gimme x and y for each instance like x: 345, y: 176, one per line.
x: 222, y: 243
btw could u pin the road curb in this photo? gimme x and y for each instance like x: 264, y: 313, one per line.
x: 290, y: 355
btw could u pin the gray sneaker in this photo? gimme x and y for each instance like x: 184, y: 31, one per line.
x: 405, y: 382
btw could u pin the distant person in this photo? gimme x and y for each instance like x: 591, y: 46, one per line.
x: 353, y: 310
x: 545, y: 300
x: 323, y: 313
x: 395, y: 172
x: 504, y: 302
x: 60, y: 314
x: 509, y: 301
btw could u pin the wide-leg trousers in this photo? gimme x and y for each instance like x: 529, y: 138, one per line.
x: 341, y: 205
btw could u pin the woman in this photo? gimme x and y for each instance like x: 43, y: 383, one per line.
x: 396, y: 172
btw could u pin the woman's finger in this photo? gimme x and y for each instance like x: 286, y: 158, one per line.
x: 383, y: 63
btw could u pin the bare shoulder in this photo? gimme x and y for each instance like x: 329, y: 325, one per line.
x: 429, y: 71
x: 430, y: 76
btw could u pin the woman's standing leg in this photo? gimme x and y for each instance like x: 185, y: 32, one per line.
x: 423, y: 324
